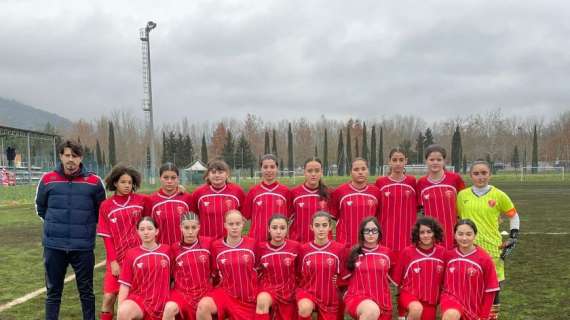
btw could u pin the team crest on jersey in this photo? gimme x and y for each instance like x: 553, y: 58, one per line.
x: 180, y: 209
x: 439, y: 269
x: 452, y: 269
x: 357, y: 264
x: 158, y: 212
x: 203, y: 258
x: 449, y: 193
x: 349, y: 203
x: 330, y: 261
x: 265, y: 264
x: 417, y: 270
x: 492, y: 203
x: 387, y: 194
x: 180, y: 263
x: 301, y: 204
x: 407, y: 193
x: 245, y: 258
x: 382, y: 262
x: 287, y: 261
x: 206, y: 203
x: 164, y: 263
x: 471, y: 271
x: 136, y: 213
x: 371, y: 203
x: 308, y: 263
x: 426, y: 197
x: 279, y: 202
x: 223, y: 261
x: 259, y: 203
x: 228, y: 203
x: 140, y: 265
x: 114, y: 220
x: 322, y: 204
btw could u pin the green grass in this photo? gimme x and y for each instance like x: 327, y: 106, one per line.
x: 538, y: 274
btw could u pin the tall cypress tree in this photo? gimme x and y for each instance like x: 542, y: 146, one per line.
x: 381, y: 151
x: 534, y: 162
x: 373, y: 162
x: 348, y: 163
x: 340, y: 158
x: 112, y: 149
x: 266, y: 148
x: 204, y: 149
x: 420, y: 143
x: 456, y: 150
x: 365, y: 154
x: 428, y: 138
x: 228, y: 151
x: 290, y: 164
x: 244, y: 155
x: 316, y: 151
x: 326, y: 154
x: 274, y: 145
x: 164, y: 148
x: 515, y: 160
x: 464, y: 164
x: 99, y: 155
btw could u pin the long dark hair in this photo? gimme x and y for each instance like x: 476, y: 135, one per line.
x: 430, y: 223
x: 117, y: 172
x: 323, y: 189
x: 357, y: 249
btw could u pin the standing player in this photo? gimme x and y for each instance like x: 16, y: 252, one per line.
x: 168, y: 204
x: 321, y: 263
x: 266, y: 199
x: 354, y: 201
x: 308, y: 198
x: 234, y: 264
x: 419, y: 272
x: 216, y: 197
x: 145, y: 276
x: 190, y: 271
x: 399, y: 204
x: 437, y: 192
x: 484, y: 204
x: 369, y: 265
x: 118, y: 217
x: 277, y: 265
x: 470, y: 281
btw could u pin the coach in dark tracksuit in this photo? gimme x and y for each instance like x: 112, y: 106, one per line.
x: 67, y: 201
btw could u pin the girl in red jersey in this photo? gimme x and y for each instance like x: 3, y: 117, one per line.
x: 266, y: 199
x: 277, y: 264
x: 118, y: 217
x: 399, y: 204
x: 420, y: 270
x: 216, y: 197
x: 168, y: 204
x: 190, y: 271
x: 145, y: 276
x: 321, y: 263
x: 437, y: 192
x: 369, y: 265
x: 353, y: 201
x: 308, y: 198
x: 470, y: 282
x: 233, y: 263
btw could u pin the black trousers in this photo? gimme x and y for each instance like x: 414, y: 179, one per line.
x: 56, y: 263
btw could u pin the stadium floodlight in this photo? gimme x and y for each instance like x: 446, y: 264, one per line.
x: 147, y: 93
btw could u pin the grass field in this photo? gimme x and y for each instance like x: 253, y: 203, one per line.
x: 538, y: 273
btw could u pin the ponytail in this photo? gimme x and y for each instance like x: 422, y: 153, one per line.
x: 322, y: 187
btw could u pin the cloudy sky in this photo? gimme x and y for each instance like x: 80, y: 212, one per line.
x: 287, y: 59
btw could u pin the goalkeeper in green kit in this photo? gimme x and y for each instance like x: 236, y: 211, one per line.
x: 484, y: 204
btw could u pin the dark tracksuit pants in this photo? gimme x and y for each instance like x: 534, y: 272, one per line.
x: 56, y: 263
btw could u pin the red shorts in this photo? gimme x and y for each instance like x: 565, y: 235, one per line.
x: 448, y: 302
x: 322, y: 314
x: 352, y: 303
x: 187, y: 309
x: 281, y: 310
x: 231, y: 307
x: 406, y: 298
x: 110, y: 282
x: 140, y: 302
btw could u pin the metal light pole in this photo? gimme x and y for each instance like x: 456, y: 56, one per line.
x: 147, y: 96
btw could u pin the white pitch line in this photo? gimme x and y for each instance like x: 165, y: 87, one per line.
x: 36, y: 293
x: 548, y: 233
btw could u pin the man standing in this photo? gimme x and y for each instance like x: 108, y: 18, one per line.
x: 67, y: 201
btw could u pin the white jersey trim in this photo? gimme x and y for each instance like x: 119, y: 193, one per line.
x: 398, y: 184
x: 276, y: 253
x: 305, y: 196
x: 439, y: 186
x: 418, y: 261
x: 170, y: 200
x: 466, y: 260
x: 122, y: 208
x: 357, y: 193
x: 270, y: 193
x: 219, y: 195
x: 191, y: 251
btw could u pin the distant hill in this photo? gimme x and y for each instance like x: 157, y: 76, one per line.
x: 16, y: 114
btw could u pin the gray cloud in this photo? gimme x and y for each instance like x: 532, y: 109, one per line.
x: 286, y: 59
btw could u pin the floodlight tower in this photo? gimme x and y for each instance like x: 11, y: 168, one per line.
x: 147, y: 98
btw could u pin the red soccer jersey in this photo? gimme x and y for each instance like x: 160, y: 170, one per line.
x: 420, y: 273
x: 399, y: 211
x: 191, y: 269
x: 167, y: 211
x: 147, y: 273
x: 352, y: 206
x: 439, y: 201
x: 371, y: 276
x: 118, y: 217
x: 303, y: 206
x: 278, y: 266
x: 263, y: 201
x: 211, y: 204
x: 318, y: 265
x: 468, y: 277
x: 236, y: 268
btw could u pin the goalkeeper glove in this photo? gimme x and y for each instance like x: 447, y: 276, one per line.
x: 508, y: 246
